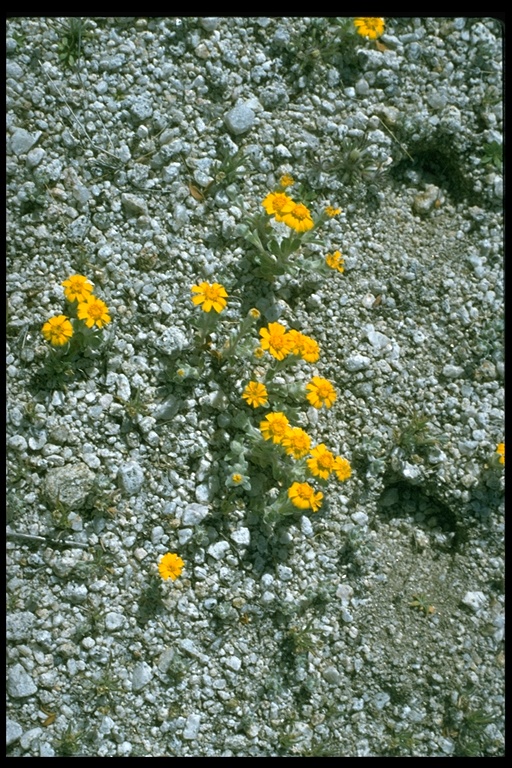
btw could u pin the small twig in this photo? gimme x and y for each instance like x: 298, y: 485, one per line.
x: 395, y: 138
x: 46, y: 539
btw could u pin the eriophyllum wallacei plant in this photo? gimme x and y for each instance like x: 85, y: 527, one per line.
x: 265, y: 420
x: 283, y: 231
x: 79, y: 330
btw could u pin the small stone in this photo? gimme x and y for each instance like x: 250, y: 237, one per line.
x: 141, y: 108
x: 133, y: 205
x: 19, y: 626
x: 130, y: 478
x: 424, y: 202
x: 209, y: 23
x: 171, y: 341
x: 69, y: 485
x: 35, y: 156
x: 142, y: 674
x: 78, y: 230
x: 19, y: 683
x: 357, y: 362
x: 22, y: 141
x: 474, y: 600
x: 331, y: 675
x: 242, y: 537
x: 234, y: 663
x: 13, y: 731
x: 114, y: 621
x: 218, y: 550
x: 240, y: 119
x: 453, y: 371
x: 191, y: 727
x: 194, y: 514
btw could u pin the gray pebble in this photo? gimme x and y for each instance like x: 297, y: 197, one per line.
x: 13, y: 731
x: 191, y: 729
x: 219, y: 549
x: 130, y: 478
x: 240, y: 119
x: 114, y: 621
x: 70, y: 485
x: 22, y: 141
x: 19, y: 683
x: 142, y: 674
x: 194, y: 514
x: 357, y: 362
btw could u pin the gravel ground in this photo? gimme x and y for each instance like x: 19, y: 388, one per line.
x: 374, y: 626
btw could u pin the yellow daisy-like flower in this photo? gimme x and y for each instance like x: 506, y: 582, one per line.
x: 321, y: 463
x: 277, y: 204
x: 335, y: 261
x: 274, y: 427
x: 275, y: 339
x: 500, y: 450
x: 296, y: 442
x: 77, y: 288
x: 303, y: 496
x: 286, y: 180
x: 237, y: 478
x: 94, y: 311
x: 299, y: 218
x: 330, y: 211
x: 321, y: 392
x: 57, y: 330
x: 210, y: 296
x: 369, y: 26
x: 170, y: 566
x: 342, y: 468
x: 255, y: 394
x: 304, y: 346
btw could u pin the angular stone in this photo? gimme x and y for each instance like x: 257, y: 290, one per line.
x: 69, y: 485
x: 19, y: 683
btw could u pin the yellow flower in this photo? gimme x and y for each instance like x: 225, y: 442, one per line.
x: 77, y: 287
x: 296, y: 442
x: 500, y: 450
x: 255, y: 394
x: 369, y: 26
x: 259, y: 352
x: 57, y: 330
x: 299, y: 218
x: 286, y: 180
x: 335, y: 261
x: 274, y: 427
x: 170, y: 566
x: 278, y: 203
x: 210, y: 296
x: 303, y: 496
x: 321, y: 392
x: 255, y: 313
x: 321, y: 462
x: 94, y: 311
x: 342, y: 468
x: 330, y: 211
x: 237, y: 478
x: 304, y: 346
x: 275, y: 339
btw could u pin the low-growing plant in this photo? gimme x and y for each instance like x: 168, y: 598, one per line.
x: 273, y: 445
x: 281, y: 236
x: 74, y: 338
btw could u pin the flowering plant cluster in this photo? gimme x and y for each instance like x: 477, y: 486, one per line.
x: 272, y: 441
x: 86, y: 313
x: 284, y: 230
